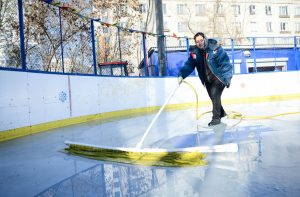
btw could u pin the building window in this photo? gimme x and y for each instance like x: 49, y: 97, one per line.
x: 252, y: 9
x: 182, y: 43
x: 143, y: 8
x: 106, y: 40
x: 237, y: 24
x: 297, y: 11
x: 164, y: 8
x: 298, y: 41
x: 269, y: 26
x: 166, y: 26
x: 105, y: 19
x: 283, y: 10
x: 220, y: 9
x: 182, y: 9
x: 236, y: 9
x: 104, y: 12
x: 253, y: 26
x: 182, y: 27
x: 236, y: 27
x: 122, y: 24
x: 105, y: 30
x: 283, y: 26
x: 200, y: 9
x: 268, y: 10
x: 143, y: 25
x: 123, y: 9
x: 297, y: 27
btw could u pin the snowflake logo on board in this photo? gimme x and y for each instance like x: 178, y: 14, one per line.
x: 62, y: 96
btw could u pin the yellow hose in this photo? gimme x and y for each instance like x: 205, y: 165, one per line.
x: 235, y: 114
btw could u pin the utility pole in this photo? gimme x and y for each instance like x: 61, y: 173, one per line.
x: 160, y: 39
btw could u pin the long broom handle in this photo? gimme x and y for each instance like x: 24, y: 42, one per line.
x: 139, y: 145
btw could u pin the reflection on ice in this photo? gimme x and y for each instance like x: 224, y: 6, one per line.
x: 115, y: 179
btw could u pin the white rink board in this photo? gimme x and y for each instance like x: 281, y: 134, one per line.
x: 33, y: 98
x: 123, y: 93
x: 49, y: 97
x: 14, y: 104
x: 85, y: 95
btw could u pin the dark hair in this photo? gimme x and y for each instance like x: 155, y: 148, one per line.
x: 199, y: 34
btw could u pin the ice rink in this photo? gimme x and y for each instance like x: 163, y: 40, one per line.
x: 267, y: 162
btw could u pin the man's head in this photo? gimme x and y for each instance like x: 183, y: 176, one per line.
x: 200, y: 40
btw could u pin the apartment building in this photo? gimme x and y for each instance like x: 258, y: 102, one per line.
x: 227, y: 18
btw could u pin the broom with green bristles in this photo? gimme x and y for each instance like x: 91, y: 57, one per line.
x: 193, y: 156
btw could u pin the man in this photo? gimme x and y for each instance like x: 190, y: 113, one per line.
x: 214, y: 70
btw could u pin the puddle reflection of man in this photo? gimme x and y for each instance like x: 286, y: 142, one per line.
x: 214, y: 69
x: 219, y: 133
x: 216, y: 138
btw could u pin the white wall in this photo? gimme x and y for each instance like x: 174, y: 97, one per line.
x: 32, y: 98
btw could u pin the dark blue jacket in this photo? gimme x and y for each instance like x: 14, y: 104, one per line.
x: 217, y: 59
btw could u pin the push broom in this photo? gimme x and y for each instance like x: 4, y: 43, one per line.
x: 177, y: 157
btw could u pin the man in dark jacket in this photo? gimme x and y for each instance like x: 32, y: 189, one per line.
x: 214, y: 70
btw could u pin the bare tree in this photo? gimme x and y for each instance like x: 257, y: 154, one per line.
x: 43, y: 42
x: 9, y: 34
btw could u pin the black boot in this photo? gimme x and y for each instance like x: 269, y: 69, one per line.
x: 214, y: 122
x: 223, y: 114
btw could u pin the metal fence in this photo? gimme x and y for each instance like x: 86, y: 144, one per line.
x: 55, y: 39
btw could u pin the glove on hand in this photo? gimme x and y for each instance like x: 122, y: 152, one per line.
x: 180, y: 80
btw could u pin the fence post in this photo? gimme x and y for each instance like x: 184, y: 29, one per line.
x: 119, y: 45
x: 274, y: 54
x: 22, y: 39
x: 145, y: 55
x: 166, y: 59
x: 93, y: 46
x: 187, y: 46
x: 232, y: 54
x: 61, y: 42
x: 254, y: 55
x: 295, y: 51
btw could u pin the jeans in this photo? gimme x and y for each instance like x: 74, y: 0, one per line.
x: 214, y: 90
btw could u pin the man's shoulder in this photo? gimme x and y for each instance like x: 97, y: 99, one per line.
x: 212, y: 41
x: 212, y: 44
